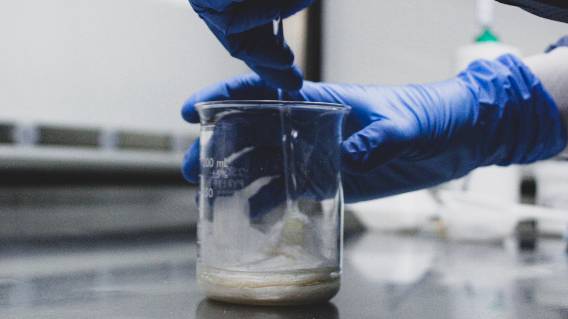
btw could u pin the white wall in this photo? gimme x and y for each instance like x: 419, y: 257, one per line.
x: 396, y: 42
x: 113, y: 62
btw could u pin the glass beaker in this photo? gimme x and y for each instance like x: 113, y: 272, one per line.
x: 270, y: 225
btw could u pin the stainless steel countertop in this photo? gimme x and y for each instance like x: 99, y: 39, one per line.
x: 385, y: 276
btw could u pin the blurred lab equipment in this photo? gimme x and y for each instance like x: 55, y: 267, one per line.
x: 408, y: 212
x: 552, y: 184
x: 527, y: 234
x: 552, y: 192
x: 487, y: 43
x: 271, y: 205
x: 475, y: 217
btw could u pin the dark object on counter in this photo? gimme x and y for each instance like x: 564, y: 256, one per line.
x: 528, y: 190
x: 127, y: 140
x: 527, y: 234
x: 6, y: 133
x: 67, y: 136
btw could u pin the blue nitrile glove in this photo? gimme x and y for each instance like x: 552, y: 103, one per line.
x: 562, y: 42
x: 245, y: 29
x: 404, y: 138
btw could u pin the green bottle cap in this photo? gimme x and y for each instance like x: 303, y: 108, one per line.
x: 487, y: 36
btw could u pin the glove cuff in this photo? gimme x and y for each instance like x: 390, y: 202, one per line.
x: 563, y: 42
x: 519, y: 119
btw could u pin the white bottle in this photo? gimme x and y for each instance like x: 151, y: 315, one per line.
x: 500, y: 183
x: 487, y: 45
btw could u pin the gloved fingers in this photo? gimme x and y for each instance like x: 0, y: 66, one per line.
x: 243, y: 87
x: 261, y: 50
x: 246, y: 31
x: 253, y: 87
x: 258, y: 46
x: 290, y: 79
x: 267, y: 198
x: 216, y: 5
x: 233, y: 17
x: 375, y: 145
x: 190, y: 165
x: 329, y: 93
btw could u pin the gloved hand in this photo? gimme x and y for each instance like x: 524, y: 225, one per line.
x: 245, y: 29
x: 405, y: 138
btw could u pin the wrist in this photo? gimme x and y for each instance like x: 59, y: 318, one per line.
x: 518, y: 120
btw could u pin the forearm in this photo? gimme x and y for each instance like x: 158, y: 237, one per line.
x: 552, y: 70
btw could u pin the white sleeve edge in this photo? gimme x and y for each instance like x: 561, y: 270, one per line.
x: 552, y: 70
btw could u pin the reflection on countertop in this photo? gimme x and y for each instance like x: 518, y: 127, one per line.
x: 385, y: 276
x: 212, y: 309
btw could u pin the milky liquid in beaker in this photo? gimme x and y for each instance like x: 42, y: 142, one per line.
x: 271, y: 270
x: 274, y: 288
x: 275, y: 271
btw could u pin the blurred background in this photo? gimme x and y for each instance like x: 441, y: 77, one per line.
x: 90, y: 133
x: 91, y: 137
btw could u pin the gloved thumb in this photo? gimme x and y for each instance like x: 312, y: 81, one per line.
x: 375, y: 145
x: 190, y: 167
